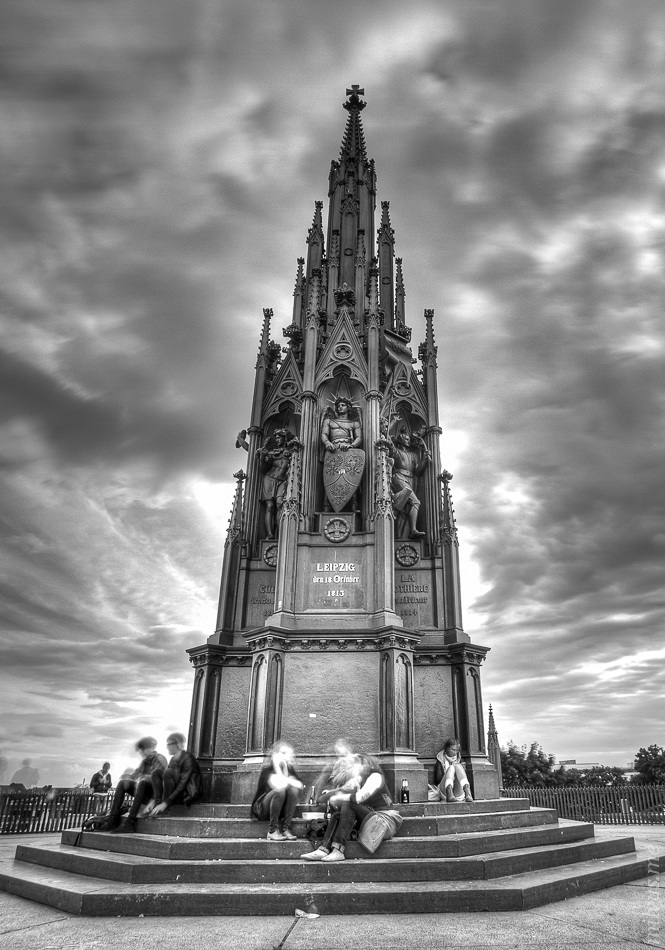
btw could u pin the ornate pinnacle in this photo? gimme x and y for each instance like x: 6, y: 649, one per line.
x: 399, y: 281
x: 355, y: 102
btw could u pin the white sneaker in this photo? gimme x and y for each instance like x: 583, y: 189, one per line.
x: 275, y: 836
x: 289, y: 835
x: 317, y: 855
x: 335, y: 855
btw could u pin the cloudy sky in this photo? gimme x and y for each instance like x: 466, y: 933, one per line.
x: 160, y: 162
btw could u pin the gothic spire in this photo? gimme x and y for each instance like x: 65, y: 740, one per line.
x: 353, y: 142
x: 493, y: 747
x: 234, y: 534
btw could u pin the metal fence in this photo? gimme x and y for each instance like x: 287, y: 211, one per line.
x: 54, y: 810
x: 619, y: 805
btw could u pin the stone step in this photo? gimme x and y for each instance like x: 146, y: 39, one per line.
x: 167, y: 847
x: 95, y: 897
x: 437, y: 824
x: 136, y: 869
x: 415, y: 809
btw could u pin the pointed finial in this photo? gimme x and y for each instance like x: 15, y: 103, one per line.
x: 355, y: 102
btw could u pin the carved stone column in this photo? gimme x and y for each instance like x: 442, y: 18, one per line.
x: 468, y: 713
x: 396, y: 702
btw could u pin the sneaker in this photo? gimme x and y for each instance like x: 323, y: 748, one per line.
x: 335, y: 855
x: 275, y: 836
x: 317, y: 855
x: 289, y: 835
x: 126, y: 827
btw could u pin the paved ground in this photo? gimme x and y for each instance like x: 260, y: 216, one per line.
x: 630, y: 915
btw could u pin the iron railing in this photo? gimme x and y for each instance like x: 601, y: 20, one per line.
x: 40, y: 810
x: 616, y: 805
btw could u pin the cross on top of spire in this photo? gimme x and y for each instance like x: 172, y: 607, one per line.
x: 355, y: 102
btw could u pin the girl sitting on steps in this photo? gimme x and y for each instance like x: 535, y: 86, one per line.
x: 449, y: 774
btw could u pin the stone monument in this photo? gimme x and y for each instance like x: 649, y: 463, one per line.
x: 339, y: 612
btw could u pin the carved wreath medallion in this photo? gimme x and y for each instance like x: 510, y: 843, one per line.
x: 270, y: 555
x: 406, y: 555
x: 337, y: 529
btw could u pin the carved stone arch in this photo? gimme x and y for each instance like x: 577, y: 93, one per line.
x: 286, y: 416
x: 273, y: 699
x: 342, y: 350
x: 286, y: 389
x: 386, y: 701
x: 476, y: 737
x: 404, y: 738
x: 257, y: 705
x: 459, y: 708
x: 195, y: 726
x: 413, y: 420
x: 209, y: 725
x: 404, y: 386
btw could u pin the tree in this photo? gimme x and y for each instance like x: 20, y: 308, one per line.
x: 600, y: 776
x: 521, y: 768
x: 650, y: 765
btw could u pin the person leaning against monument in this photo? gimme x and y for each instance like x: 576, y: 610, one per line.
x: 180, y: 782
x: 139, y: 786
x: 449, y: 775
x: 277, y: 793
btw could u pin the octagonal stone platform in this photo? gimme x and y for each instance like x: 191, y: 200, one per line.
x: 214, y: 860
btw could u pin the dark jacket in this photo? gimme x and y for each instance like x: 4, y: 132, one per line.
x: 101, y: 783
x: 188, y: 785
x: 379, y: 800
x: 264, y: 785
x: 148, y: 765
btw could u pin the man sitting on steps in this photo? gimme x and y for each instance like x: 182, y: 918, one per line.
x: 139, y: 785
x: 180, y: 782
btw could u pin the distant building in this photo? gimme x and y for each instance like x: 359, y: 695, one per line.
x: 580, y: 766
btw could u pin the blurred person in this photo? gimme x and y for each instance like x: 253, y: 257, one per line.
x: 180, y: 782
x: 26, y: 775
x: 361, y: 794
x: 139, y: 786
x: 277, y: 793
x: 449, y: 774
x: 341, y: 775
x: 101, y: 781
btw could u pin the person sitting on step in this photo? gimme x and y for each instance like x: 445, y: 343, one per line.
x: 449, y: 774
x: 277, y: 793
x: 180, y: 782
x: 139, y: 786
x: 359, y: 797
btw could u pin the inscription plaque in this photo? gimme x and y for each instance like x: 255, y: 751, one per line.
x: 335, y: 579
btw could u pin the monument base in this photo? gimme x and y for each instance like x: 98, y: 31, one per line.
x: 483, y: 777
